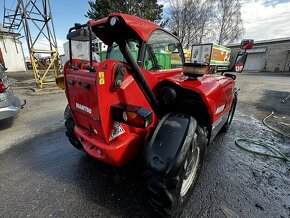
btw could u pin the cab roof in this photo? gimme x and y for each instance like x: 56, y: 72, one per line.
x: 132, y: 27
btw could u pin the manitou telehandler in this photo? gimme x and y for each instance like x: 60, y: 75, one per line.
x: 144, y: 99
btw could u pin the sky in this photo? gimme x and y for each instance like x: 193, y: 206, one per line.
x: 266, y: 19
x: 64, y: 12
x: 262, y: 19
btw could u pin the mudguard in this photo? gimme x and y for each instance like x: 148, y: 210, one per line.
x: 166, y: 150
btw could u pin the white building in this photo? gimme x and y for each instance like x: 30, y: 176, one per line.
x: 11, y: 51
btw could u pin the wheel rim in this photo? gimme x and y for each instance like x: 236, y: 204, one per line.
x: 191, y: 170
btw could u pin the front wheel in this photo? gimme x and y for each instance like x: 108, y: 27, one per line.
x: 169, y: 194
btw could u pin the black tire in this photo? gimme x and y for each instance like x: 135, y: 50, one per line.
x: 69, y: 125
x: 168, y: 195
x: 231, y: 114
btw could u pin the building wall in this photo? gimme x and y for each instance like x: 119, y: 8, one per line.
x: 276, y: 56
x: 12, y: 54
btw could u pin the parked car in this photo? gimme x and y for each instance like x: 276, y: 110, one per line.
x: 9, y: 104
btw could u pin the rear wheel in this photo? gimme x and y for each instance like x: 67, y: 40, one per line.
x: 169, y: 194
x: 69, y: 125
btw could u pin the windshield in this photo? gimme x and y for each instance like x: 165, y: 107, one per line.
x: 163, y: 51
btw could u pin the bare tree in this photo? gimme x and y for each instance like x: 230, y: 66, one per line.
x: 229, y: 21
x: 205, y: 22
x: 191, y: 20
x: 200, y: 21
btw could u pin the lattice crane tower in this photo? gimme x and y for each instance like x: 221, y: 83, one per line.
x: 34, y: 19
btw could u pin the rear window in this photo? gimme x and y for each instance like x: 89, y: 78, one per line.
x: 114, y: 52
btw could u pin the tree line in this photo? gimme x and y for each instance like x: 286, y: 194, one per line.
x: 193, y: 21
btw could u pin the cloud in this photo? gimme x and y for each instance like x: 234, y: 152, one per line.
x: 262, y: 19
x: 266, y: 19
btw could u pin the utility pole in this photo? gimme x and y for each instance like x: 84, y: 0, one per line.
x: 34, y: 18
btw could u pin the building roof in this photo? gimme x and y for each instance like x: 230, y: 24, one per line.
x: 257, y: 50
x: 268, y: 41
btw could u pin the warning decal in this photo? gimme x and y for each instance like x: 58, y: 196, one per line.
x: 101, y: 78
x: 117, y: 130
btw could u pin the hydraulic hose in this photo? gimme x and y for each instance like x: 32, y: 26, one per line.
x: 273, y: 128
x: 273, y: 152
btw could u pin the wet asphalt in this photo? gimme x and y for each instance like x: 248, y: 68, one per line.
x: 47, y: 177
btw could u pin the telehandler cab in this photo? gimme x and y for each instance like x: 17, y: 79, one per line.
x: 144, y: 99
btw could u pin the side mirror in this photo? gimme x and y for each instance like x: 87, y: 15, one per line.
x: 242, y: 55
x: 80, y: 35
x: 172, y: 47
x: 247, y: 44
x: 240, y: 61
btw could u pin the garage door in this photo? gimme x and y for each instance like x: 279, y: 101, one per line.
x: 254, y: 62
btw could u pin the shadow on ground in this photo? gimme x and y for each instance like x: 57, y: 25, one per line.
x: 272, y: 101
x: 6, y: 123
x: 277, y: 102
x: 59, y: 180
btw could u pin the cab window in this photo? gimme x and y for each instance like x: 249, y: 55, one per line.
x: 163, y: 51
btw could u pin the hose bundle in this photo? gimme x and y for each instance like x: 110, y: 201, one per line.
x: 273, y: 152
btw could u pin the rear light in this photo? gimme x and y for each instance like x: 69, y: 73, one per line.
x: 2, y: 86
x: 239, y: 67
x: 132, y: 115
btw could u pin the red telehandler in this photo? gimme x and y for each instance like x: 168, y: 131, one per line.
x: 144, y: 99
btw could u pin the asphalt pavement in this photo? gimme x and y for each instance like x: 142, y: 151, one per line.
x: 42, y: 111
x: 44, y: 176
